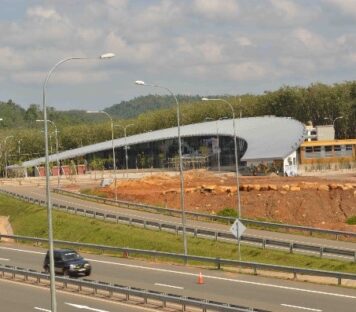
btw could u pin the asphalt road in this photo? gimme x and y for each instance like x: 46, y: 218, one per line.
x: 16, y: 297
x: 247, y: 290
x: 39, y: 193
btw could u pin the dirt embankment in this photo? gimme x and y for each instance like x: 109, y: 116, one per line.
x: 312, y: 201
x: 5, y: 228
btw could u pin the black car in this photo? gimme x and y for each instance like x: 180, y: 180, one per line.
x: 68, y: 262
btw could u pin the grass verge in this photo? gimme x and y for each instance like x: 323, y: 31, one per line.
x: 31, y: 220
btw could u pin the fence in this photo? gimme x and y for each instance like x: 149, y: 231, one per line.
x: 218, y: 262
x: 292, y: 247
x: 126, y: 293
x: 202, y: 216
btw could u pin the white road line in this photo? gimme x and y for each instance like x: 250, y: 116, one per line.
x: 170, y: 286
x: 207, y: 276
x: 300, y: 308
x: 41, y: 309
x: 24, y: 250
x: 228, y: 279
x: 79, y: 306
x: 4, y: 259
x: 128, y: 305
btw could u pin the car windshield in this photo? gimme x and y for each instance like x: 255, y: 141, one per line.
x: 71, y: 256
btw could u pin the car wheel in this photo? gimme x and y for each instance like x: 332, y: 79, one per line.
x: 87, y: 273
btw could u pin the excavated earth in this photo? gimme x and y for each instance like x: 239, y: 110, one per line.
x: 325, y: 202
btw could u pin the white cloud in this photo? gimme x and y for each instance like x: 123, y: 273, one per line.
x: 348, y: 7
x: 42, y: 13
x: 286, y: 8
x: 216, y: 9
x: 188, y: 42
x: 243, y: 41
x: 312, y: 41
x: 211, y: 52
x: 10, y: 59
x: 63, y: 77
x: 247, y: 71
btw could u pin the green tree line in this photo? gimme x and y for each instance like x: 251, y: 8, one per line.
x: 76, y: 128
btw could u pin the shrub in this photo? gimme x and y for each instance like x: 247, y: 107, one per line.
x: 228, y: 212
x: 351, y: 220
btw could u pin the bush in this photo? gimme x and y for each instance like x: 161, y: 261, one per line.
x: 228, y: 212
x: 351, y: 220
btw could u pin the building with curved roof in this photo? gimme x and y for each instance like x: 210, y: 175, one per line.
x: 261, y: 139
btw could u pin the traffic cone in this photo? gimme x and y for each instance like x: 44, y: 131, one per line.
x: 200, y: 279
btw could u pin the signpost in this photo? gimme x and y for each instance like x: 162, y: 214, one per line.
x: 237, y: 229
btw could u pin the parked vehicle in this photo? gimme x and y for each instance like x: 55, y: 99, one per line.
x: 68, y: 262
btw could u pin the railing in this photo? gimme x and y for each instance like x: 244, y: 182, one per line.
x: 292, y: 247
x: 203, y: 216
x: 218, y: 262
x: 129, y: 294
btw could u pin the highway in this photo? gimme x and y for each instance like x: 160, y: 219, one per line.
x: 16, y: 297
x: 253, y: 291
x: 39, y: 193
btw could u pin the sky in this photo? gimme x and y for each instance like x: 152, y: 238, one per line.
x: 205, y: 47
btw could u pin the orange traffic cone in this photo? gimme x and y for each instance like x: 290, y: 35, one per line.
x: 200, y: 279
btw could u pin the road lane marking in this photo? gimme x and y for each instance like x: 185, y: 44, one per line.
x: 4, y: 259
x: 41, y: 309
x: 170, y: 286
x: 79, y: 306
x: 82, y: 296
x: 227, y: 279
x: 24, y: 250
x: 208, y: 276
x: 301, y: 308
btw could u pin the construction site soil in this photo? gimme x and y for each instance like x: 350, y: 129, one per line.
x: 325, y: 202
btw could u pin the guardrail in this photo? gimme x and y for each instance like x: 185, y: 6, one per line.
x: 198, y: 232
x: 125, y: 292
x: 218, y: 262
x: 203, y: 216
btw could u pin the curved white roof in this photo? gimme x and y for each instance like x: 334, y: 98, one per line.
x: 267, y: 137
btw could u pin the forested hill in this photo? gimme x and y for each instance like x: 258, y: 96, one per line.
x: 318, y: 103
x: 15, y: 116
x: 141, y: 104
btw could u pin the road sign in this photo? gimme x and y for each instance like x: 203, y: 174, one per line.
x: 237, y: 229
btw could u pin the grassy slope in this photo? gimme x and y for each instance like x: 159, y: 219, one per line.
x: 31, y: 220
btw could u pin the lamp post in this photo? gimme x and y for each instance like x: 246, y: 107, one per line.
x: 8, y: 137
x: 112, y: 143
x: 56, y: 138
x: 236, y: 163
x: 142, y: 83
x: 48, y: 193
x: 126, y: 156
x: 328, y: 118
x: 19, y: 147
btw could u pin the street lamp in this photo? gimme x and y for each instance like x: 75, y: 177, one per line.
x: 19, y: 147
x: 48, y: 194
x: 126, y: 156
x: 327, y: 118
x: 142, y: 83
x: 236, y: 163
x: 112, y: 143
x: 8, y: 137
x: 57, y: 156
